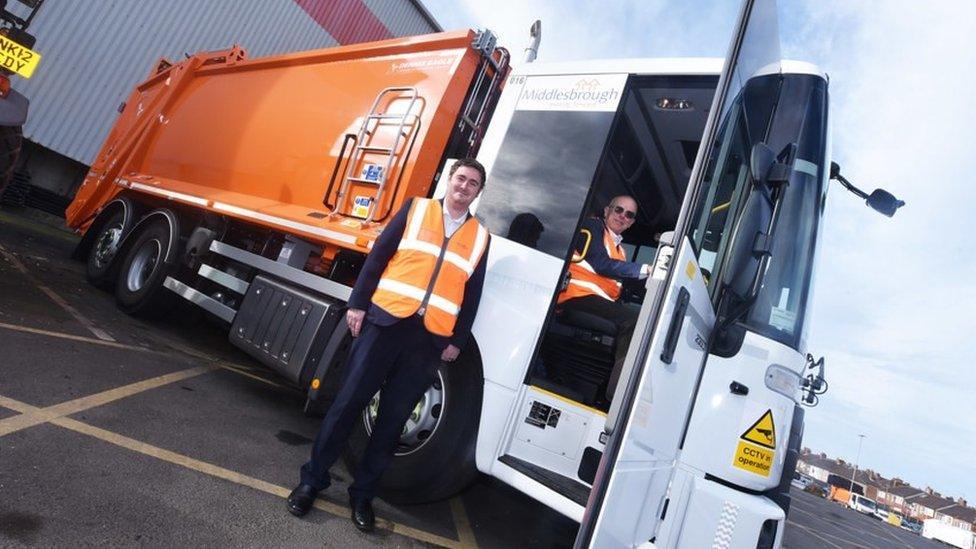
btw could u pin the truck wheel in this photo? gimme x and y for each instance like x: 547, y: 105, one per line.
x: 10, y: 142
x: 105, y: 246
x: 148, y: 260
x: 435, y: 458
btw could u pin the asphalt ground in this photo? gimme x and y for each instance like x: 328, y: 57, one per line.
x: 816, y: 523
x: 118, y: 431
x: 121, y: 432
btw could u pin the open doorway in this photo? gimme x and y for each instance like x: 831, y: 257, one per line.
x: 648, y: 156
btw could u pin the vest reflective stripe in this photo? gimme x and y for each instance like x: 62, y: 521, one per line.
x: 417, y: 294
x: 584, y: 280
x: 591, y: 287
x: 406, y: 284
x: 464, y: 264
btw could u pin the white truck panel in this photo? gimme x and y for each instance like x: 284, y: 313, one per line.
x: 946, y: 533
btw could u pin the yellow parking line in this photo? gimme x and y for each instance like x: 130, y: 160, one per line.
x: 230, y: 366
x: 38, y: 416
x: 62, y: 335
x: 237, y: 478
x: 189, y: 351
x: 462, y: 524
x: 16, y: 405
x: 184, y: 349
x: 83, y: 320
x: 214, y: 470
x: 237, y: 370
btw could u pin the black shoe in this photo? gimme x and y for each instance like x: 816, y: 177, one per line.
x: 362, y: 515
x: 300, y: 500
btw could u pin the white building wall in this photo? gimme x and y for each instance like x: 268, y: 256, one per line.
x: 95, y: 51
x: 403, y: 18
x: 813, y: 471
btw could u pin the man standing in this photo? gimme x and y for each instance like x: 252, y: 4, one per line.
x: 594, y: 283
x: 412, y: 306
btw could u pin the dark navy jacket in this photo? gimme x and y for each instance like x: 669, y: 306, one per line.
x: 602, y: 263
x: 383, y: 249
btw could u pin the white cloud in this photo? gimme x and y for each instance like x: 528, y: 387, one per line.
x: 895, y: 297
x: 594, y: 30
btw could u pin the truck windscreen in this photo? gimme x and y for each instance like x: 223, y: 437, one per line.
x: 799, y: 117
x: 781, y: 310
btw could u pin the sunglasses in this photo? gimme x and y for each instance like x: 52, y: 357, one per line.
x: 627, y: 213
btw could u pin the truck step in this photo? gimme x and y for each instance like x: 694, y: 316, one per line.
x: 206, y: 302
x: 387, y: 116
x: 363, y: 180
x: 283, y: 271
x: 370, y: 148
x: 220, y: 277
x: 564, y: 486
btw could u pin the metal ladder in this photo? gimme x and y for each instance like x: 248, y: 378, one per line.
x: 375, y: 118
x: 475, y: 111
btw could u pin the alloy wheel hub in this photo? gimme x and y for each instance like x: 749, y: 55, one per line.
x: 423, y: 420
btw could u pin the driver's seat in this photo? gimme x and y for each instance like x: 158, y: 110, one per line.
x: 586, y: 321
x: 579, y: 349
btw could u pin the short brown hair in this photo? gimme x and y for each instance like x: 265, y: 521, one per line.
x: 470, y: 163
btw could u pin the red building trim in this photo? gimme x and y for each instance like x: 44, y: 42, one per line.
x: 348, y: 21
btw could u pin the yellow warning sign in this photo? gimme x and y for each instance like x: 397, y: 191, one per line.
x: 17, y: 58
x: 754, y: 459
x: 762, y: 432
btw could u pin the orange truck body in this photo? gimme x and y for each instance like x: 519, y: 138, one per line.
x: 840, y: 495
x: 260, y: 140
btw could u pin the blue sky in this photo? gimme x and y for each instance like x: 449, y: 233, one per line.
x: 895, y: 299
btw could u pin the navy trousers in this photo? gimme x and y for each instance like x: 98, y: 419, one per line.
x: 401, y: 360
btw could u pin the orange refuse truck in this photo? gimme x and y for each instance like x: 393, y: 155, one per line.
x: 226, y: 180
x: 840, y: 495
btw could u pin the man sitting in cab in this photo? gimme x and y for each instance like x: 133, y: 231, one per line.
x: 596, y: 272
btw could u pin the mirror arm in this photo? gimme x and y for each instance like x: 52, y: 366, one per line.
x: 849, y: 186
x: 880, y: 200
x: 813, y: 385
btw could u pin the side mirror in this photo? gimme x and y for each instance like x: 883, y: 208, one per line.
x: 884, y: 202
x: 880, y: 200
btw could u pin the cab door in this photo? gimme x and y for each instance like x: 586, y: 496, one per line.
x: 646, y: 426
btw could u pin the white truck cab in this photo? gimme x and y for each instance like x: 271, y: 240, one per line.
x: 692, y: 441
x: 729, y: 168
x: 862, y: 504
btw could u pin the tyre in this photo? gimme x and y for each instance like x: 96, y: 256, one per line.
x: 435, y: 458
x: 105, y: 246
x: 10, y: 142
x: 148, y: 260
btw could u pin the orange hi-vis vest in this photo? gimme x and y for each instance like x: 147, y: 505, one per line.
x: 584, y: 281
x: 428, y: 272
